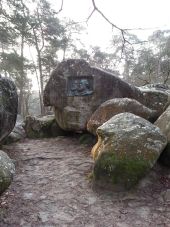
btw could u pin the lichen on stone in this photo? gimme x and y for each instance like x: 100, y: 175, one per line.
x: 128, y: 146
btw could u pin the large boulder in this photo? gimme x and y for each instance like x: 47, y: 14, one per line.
x: 7, y: 170
x: 128, y: 146
x: 42, y: 127
x: 115, y: 106
x: 8, y: 107
x: 76, y: 90
x: 163, y: 122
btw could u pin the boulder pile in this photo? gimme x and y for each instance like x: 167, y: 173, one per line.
x: 121, y: 115
x: 115, y: 106
x: 76, y: 90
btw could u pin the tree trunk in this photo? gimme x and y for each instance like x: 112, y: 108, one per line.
x: 40, y: 73
x: 26, y: 104
x: 39, y: 89
x: 21, y: 93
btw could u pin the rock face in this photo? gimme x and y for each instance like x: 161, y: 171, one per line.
x: 7, y: 170
x: 8, y: 107
x: 156, y: 99
x: 128, y: 146
x: 76, y: 90
x: 163, y: 122
x: 42, y: 127
x: 115, y: 106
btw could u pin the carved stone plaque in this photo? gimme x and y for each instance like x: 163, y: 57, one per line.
x: 80, y: 86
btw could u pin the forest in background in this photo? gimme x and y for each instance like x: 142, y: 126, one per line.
x: 33, y: 40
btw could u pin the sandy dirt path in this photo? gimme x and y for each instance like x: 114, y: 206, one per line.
x: 51, y: 188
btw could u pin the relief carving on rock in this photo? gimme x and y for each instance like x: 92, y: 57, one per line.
x: 80, y: 86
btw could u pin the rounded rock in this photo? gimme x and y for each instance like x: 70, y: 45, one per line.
x: 128, y: 146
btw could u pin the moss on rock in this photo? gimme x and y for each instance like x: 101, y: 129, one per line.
x: 124, y: 171
x: 7, y: 170
x: 128, y: 146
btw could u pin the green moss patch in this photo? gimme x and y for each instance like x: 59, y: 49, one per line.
x: 125, y: 171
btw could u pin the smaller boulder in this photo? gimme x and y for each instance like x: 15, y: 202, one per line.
x: 42, y: 127
x: 115, y: 106
x: 18, y: 133
x: 128, y: 146
x: 7, y: 170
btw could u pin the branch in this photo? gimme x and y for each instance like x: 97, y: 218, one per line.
x: 90, y: 15
x: 24, y: 7
x: 95, y: 8
x: 61, y: 7
x: 122, y: 31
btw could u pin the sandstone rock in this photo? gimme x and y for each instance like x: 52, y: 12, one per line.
x: 156, y: 99
x: 76, y: 90
x: 163, y: 122
x: 42, y: 127
x: 115, y: 106
x: 8, y: 107
x: 7, y: 170
x: 128, y: 146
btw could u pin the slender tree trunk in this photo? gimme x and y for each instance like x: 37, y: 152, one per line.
x: 26, y: 105
x: 21, y: 92
x: 40, y: 73
x: 36, y: 73
x: 41, y: 83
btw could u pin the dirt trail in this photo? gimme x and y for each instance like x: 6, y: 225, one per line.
x: 51, y: 188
